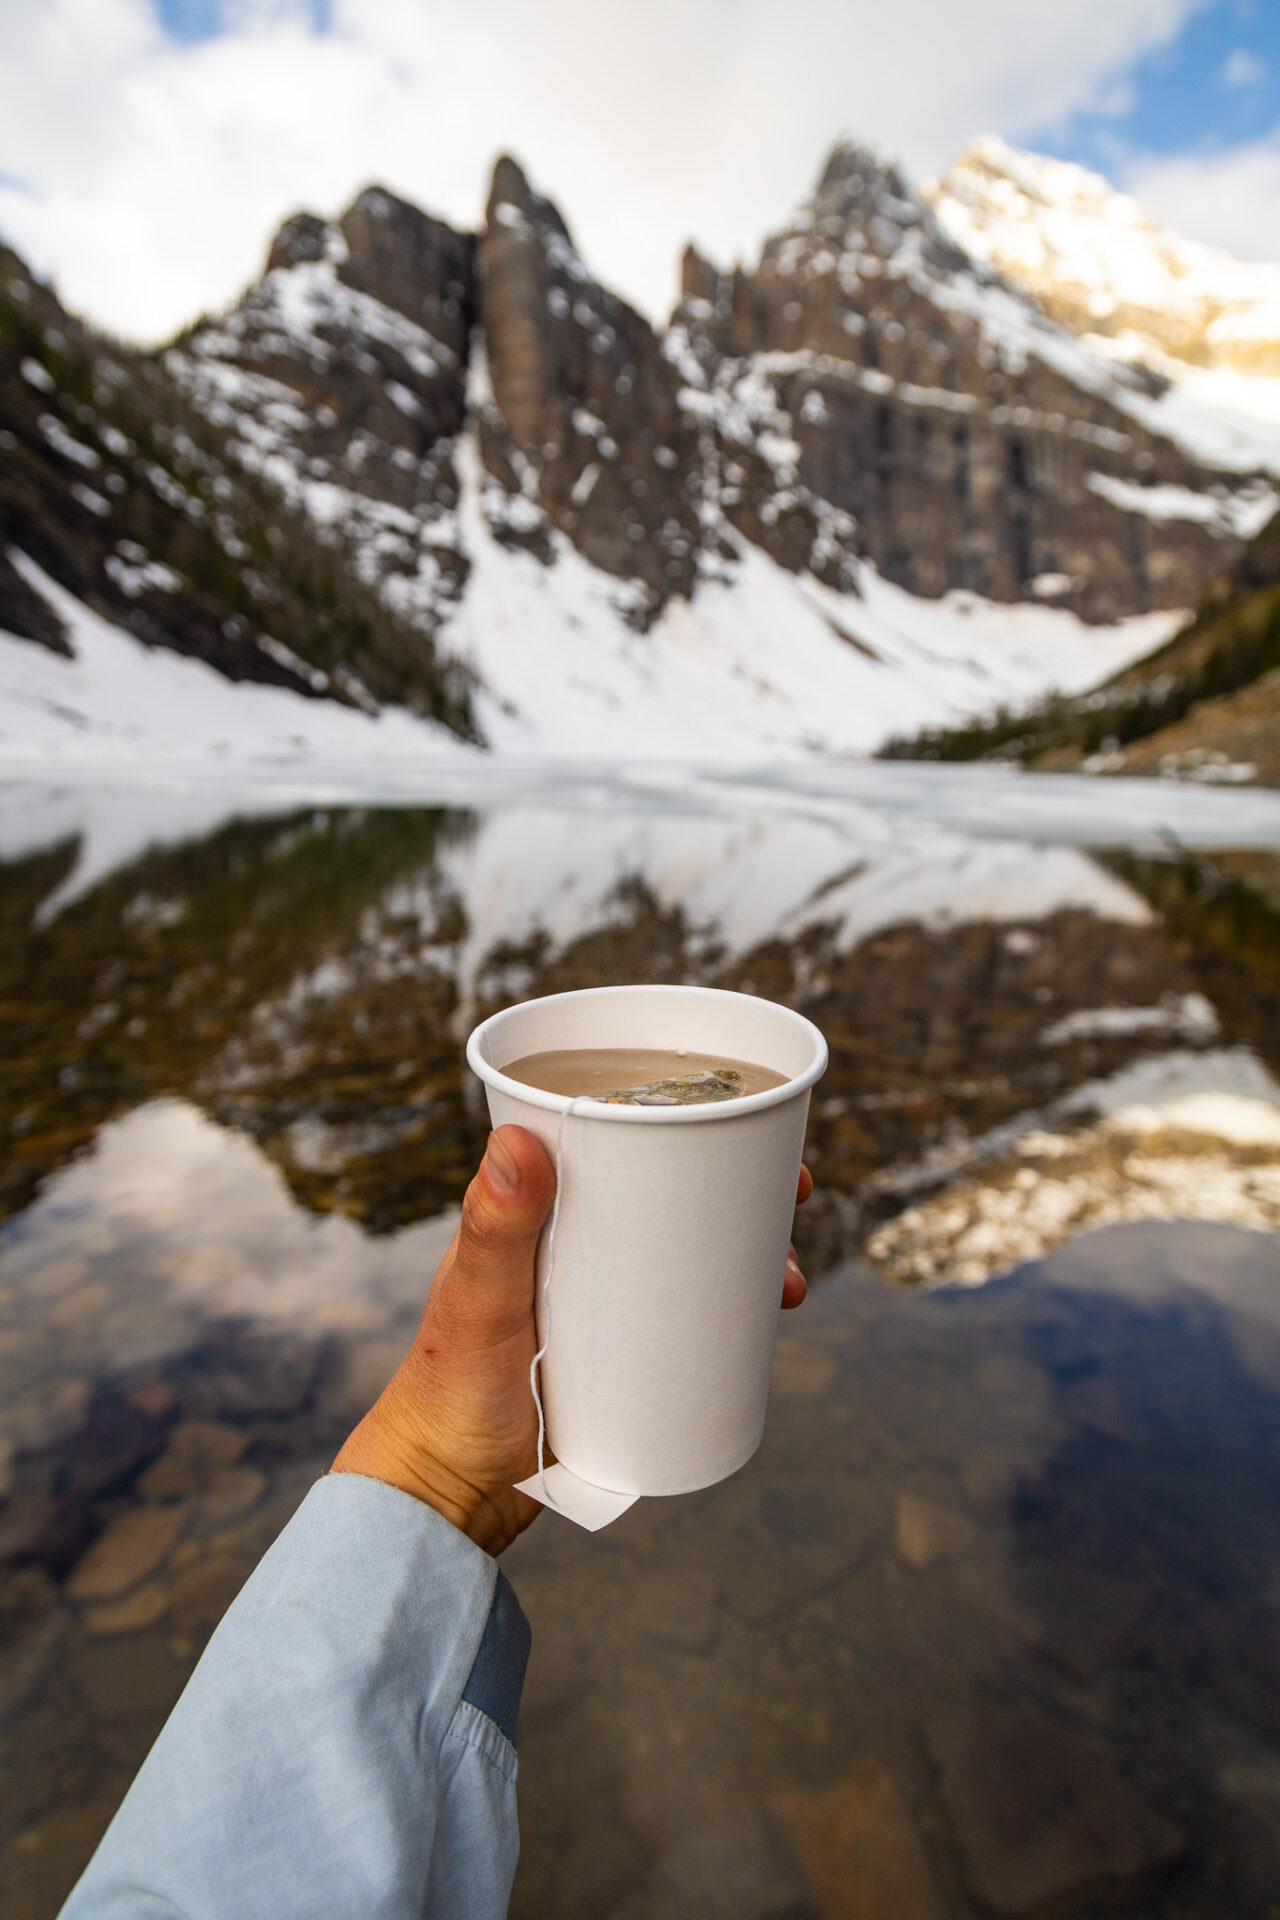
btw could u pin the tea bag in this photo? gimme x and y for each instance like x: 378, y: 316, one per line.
x: 681, y: 1090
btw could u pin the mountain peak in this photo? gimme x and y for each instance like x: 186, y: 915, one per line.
x: 862, y: 173
x: 417, y: 265
x: 375, y: 202
x: 864, y: 199
x: 509, y: 186
x: 510, y: 190
x: 302, y: 238
x: 1095, y: 261
x: 699, y: 278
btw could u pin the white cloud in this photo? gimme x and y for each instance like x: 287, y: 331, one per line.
x: 1231, y: 199
x: 1243, y: 68
x: 153, y: 174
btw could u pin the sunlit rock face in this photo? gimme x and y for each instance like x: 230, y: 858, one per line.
x: 1095, y: 261
x: 583, y: 423
x: 970, y: 443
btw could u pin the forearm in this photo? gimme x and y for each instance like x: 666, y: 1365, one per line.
x: 330, y: 1754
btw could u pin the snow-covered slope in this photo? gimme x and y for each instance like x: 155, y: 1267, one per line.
x: 1098, y: 263
x: 116, y: 700
x: 764, y: 664
x: 759, y: 662
x: 1134, y: 293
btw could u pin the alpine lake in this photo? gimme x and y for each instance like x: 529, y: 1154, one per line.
x: 991, y: 1624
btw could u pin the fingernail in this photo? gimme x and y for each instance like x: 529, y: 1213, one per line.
x: 793, y: 1266
x: 503, y: 1171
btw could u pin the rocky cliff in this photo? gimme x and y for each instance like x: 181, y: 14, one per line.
x: 867, y: 390
x: 120, y: 492
x: 346, y: 478
x: 341, y: 379
x: 967, y: 441
x: 582, y: 421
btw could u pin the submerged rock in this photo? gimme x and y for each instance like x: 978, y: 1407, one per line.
x: 144, y: 1607
x: 132, y: 1546
x: 1042, y: 1811
x: 926, y: 1533
x: 198, y: 1453
x: 861, y: 1854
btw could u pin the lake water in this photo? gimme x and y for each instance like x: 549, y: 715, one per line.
x: 992, y: 1622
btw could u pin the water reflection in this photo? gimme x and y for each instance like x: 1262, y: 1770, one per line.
x: 307, y: 978
x: 993, y: 1621
x: 120, y: 1266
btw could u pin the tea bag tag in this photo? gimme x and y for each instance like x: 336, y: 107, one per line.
x: 587, y: 1506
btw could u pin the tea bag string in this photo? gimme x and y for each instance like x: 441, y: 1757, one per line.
x: 534, y: 1378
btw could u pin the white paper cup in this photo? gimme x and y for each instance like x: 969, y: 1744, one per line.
x: 672, y: 1238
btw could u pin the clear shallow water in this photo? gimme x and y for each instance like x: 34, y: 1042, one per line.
x: 992, y: 1622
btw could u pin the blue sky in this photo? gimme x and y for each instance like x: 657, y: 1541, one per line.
x: 1214, y: 85
x: 192, y: 20
x: 150, y: 148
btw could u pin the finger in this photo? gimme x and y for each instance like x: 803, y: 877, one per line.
x: 447, y: 1259
x: 487, y: 1291
x: 805, y: 1187
x: 794, y: 1287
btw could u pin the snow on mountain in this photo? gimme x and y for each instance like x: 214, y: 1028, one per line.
x: 758, y: 661
x: 1098, y: 263
x: 563, y: 674
x: 873, y: 371
x: 113, y: 699
x: 1132, y: 290
x: 866, y: 487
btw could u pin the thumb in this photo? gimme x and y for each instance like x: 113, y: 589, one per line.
x: 487, y: 1291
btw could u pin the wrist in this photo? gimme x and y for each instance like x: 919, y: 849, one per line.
x: 380, y: 1450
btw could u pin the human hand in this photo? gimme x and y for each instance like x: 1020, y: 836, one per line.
x: 456, y: 1425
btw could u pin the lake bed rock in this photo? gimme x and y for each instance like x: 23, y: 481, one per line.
x: 138, y: 1676
x: 144, y: 1607
x: 27, y: 1658
x: 926, y: 1534
x: 198, y: 1452
x: 1042, y: 1811
x: 789, y: 1544
x: 232, y: 1494
x: 42, y: 1863
x: 132, y: 1546
x: 861, y: 1854
x: 40, y: 1527
x: 1077, y: 1618
x: 801, y: 1370
x: 729, y: 1866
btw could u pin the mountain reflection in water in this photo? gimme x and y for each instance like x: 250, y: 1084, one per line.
x: 993, y: 1620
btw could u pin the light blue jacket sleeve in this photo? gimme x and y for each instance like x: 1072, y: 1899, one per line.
x: 345, y: 1749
